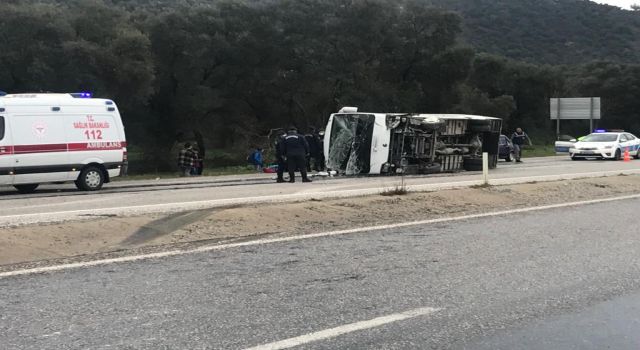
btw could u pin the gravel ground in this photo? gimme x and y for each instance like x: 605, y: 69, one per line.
x: 114, y: 236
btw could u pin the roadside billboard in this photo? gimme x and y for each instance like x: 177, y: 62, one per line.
x: 580, y: 108
x: 575, y: 108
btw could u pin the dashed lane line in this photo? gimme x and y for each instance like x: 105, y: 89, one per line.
x: 344, y: 329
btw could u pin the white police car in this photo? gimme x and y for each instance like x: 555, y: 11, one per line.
x: 606, y: 145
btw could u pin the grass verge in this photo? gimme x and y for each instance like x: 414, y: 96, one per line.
x: 539, y: 151
x: 399, y: 190
x: 220, y: 171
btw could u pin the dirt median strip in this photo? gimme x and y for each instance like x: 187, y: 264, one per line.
x: 117, y: 236
x: 50, y: 217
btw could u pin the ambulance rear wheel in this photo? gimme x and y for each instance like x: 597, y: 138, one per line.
x: 91, y: 179
x: 24, y: 189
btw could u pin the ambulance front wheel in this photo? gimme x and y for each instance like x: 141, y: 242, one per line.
x: 91, y: 179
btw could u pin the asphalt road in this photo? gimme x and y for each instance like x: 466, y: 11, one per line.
x: 143, y: 197
x: 552, y: 279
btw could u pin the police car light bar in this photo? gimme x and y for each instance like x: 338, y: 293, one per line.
x: 599, y: 131
x: 81, y: 94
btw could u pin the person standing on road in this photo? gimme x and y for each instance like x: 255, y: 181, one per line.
x: 296, y: 150
x: 280, y: 157
x: 518, y: 139
x: 185, y: 160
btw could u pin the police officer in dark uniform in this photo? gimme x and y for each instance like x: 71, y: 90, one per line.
x: 280, y: 157
x: 296, y: 150
x: 312, y: 141
x: 321, y: 161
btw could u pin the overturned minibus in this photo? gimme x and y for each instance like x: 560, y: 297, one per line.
x: 357, y: 143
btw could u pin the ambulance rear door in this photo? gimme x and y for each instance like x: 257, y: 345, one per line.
x: 40, y: 147
x: 7, y: 159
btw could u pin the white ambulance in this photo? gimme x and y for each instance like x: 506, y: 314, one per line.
x: 60, y: 138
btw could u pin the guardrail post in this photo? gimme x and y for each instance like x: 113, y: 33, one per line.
x: 485, y: 168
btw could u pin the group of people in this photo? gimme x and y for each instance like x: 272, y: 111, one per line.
x: 296, y: 152
x: 190, y: 162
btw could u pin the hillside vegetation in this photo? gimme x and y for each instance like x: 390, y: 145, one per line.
x: 537, y: 31
x: 549, y: 31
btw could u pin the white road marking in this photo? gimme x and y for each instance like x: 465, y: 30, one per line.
x: 95, y: 198
x: 524, y: 169
x: 348, y: 328
x: 209, y: 248
x: 51, y: 335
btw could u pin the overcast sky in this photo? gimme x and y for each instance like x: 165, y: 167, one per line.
x: 620, y: 3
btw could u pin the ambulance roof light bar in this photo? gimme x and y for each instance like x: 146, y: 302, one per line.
x: 81, y: 94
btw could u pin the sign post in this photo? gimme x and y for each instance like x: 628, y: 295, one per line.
x: 558, y: 122
x: 591, y: 116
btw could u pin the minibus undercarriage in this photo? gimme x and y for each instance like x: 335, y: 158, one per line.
x: 418, y: 144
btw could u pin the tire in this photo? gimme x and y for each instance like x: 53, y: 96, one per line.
x: 508, y: 157
x: 618, y: 155
x: 91, y: 179
x: 26, y: 189
x: 575, y: 158
x: 637, y: 156
x: 472, y: 164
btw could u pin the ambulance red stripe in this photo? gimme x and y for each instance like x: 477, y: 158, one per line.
x: 6, y: 150
x: 62, y: 147
x: 44, y: 148
x: 95, y: 146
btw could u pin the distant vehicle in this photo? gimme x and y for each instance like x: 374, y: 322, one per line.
x: 505, y: 149
x: 606, y: 145
x: 53, y: 138
x: 564, y: 143
x: 357, y: 143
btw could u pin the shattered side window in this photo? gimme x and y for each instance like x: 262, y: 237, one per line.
x: 350, y: 143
